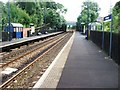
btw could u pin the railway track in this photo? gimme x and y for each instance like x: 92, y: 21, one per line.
x: 21, y: 61
x: 32, y: 67
x: 6, y: 57
x: 17, y: 55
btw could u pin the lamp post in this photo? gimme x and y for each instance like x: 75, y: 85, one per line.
x: 44, y: 13
x: 110, y: 47
x: 44, y: 17
x: 103, y: 35
x: 9, y: 21
x: 87, y: 20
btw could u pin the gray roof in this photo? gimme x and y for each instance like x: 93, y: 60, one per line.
x: 16, y: 25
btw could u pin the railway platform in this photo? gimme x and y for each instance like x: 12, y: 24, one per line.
x: 14, y: 43
x: 80, y: 64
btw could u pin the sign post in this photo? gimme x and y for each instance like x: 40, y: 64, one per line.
x: 108, y: 18
x: 110, y: 50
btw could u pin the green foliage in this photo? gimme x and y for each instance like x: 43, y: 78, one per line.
x: 38, y: 13
x: 44, y: 12
x: 54, y: 19
x: 115, y: 20
x: 52, y: 14
x: 18, y: 15
x: 89, y: 12
x: 4, y: 15
x: 29, y: 7
x: 34, y: 11
x: 99, y: 28
x: 1, y: 7
x: 107, y: 26
x: 116, y: 17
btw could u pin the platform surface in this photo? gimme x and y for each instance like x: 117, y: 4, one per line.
x: 88, y: 67
x: 80, y: 64
x: 17, y: 41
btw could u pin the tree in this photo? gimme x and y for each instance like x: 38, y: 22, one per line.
x: 17, y: 15
x: 53, y: 14
x: 29, y: 7
x: 116, y: 17
x: 34, y: 12
x: 4, y: 15
x: 89, y: 12
x: 1, y: 12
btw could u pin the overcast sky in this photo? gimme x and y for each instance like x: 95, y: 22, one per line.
x: 74, y: 7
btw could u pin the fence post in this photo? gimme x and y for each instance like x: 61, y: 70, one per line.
x: 103, y: 38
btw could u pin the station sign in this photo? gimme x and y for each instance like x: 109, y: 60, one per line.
x: 109, y: 17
